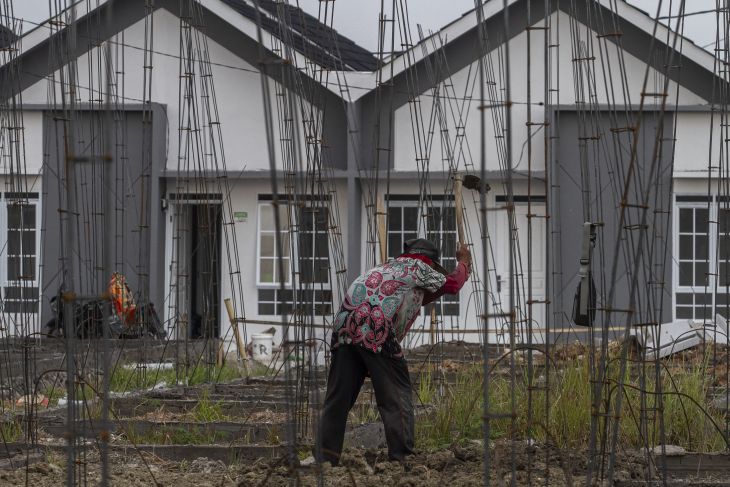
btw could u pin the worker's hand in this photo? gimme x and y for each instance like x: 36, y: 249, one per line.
x: 463, y: 254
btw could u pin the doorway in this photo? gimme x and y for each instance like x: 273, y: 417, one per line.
x: 197, y: 275
x: 527, y: 318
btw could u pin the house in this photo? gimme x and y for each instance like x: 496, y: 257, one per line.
x: 189, y: 132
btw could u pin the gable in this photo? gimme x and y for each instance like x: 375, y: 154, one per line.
x: 228, y: 22
x: 635, y: 37
x: 459, y: 97
x: 239, y: 108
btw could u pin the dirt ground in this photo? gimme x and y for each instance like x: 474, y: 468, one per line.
x: 452, y: 467
x: 456, y: 466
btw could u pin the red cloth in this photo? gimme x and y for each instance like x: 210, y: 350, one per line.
x: 454, y: 282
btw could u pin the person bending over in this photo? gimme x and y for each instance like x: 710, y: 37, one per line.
x: 378, y: 310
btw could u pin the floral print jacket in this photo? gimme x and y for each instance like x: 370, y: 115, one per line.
x: 381, y: 305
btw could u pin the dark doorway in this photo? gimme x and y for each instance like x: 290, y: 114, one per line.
x: 205, y: 270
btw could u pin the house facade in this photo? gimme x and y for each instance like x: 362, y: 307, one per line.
x: 589, y: 126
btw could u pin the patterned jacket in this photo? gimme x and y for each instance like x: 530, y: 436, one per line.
x: 381, y: 305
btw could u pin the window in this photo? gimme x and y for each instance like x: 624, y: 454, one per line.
x: 19, y: 234
x: 701, y: 258
x: 275, y: 301
x: 268, y: 259
x: 402, y: 225
x: 307, y: 271
x: 435, y: 221
x: 312, y: 249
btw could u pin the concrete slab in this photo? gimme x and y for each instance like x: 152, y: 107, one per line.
x: 669, y: 338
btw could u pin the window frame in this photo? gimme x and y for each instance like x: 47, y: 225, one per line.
x: 403, y: 203
x: 711, y: 204
x: 259, y: 219
x: 22, y: 198
x: 311, y: 235
x: 291, y: 283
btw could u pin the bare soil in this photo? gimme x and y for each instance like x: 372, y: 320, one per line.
x: 455, y: 466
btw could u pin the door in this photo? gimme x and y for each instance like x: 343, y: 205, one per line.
x: 205, y: 266
x: 529, y: 271
x: 195, y: 270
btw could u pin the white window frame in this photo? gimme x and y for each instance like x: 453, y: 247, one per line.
x: 420, y: 225
x: 712, y: 234
x: 35, y: 201
x: 259, y: 219
x: 293, y: 256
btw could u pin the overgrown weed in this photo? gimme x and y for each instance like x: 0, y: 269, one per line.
x: 11, y: 431
x: 207, y: 411
x: 124, y: 379
x: 166, y: 435
x: 564, y: 414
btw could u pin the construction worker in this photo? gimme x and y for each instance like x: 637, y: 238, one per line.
x: 377, y: 312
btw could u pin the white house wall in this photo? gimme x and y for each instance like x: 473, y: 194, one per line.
x: 608, y: 67
x: 237, y: 88
x: 30, y: 156
x: 696, y: 186
x: 244, y: 197
x: 699, y: 141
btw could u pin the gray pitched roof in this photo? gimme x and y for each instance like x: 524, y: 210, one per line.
x: 309, y: 36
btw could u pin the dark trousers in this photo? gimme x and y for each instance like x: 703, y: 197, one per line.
x: 392, y: 384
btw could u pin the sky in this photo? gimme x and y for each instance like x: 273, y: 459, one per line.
x: 358, y: 19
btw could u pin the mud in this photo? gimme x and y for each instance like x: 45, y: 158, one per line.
x: 456, y: 466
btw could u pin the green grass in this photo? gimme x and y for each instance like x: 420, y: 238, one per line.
x: 274, y: 435
x: 426, y: 391
x: 565, y: 418
x: 207, y: 411
x: 124, y: 379
x: 365, y: 412
x: 82, y: 392
x: 256, y: 369
x: 54, y: 393
x: 457, y: 414
x: 165, y: 435
x: 11, y: 431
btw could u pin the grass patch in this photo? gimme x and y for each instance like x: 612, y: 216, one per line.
x: 564, y: 418
x: 82, y: 392
x: 54, y: 393
x: 11, y: 431
x: 164, y: 435
x: 207, y: 411
x: 274, y: 435
x: 365, y: 412
x: 457, y: 414
x: 125, y: 379
x: 426, y: 390
x: 257, y: 369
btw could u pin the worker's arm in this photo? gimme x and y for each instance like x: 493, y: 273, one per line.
x: 454, y: 281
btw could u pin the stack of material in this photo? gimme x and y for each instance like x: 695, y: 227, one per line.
x: 673, y: 337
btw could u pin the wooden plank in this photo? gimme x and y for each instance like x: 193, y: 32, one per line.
x: 240, y: 346
x: 459, y: 208
x: 382, y: 230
